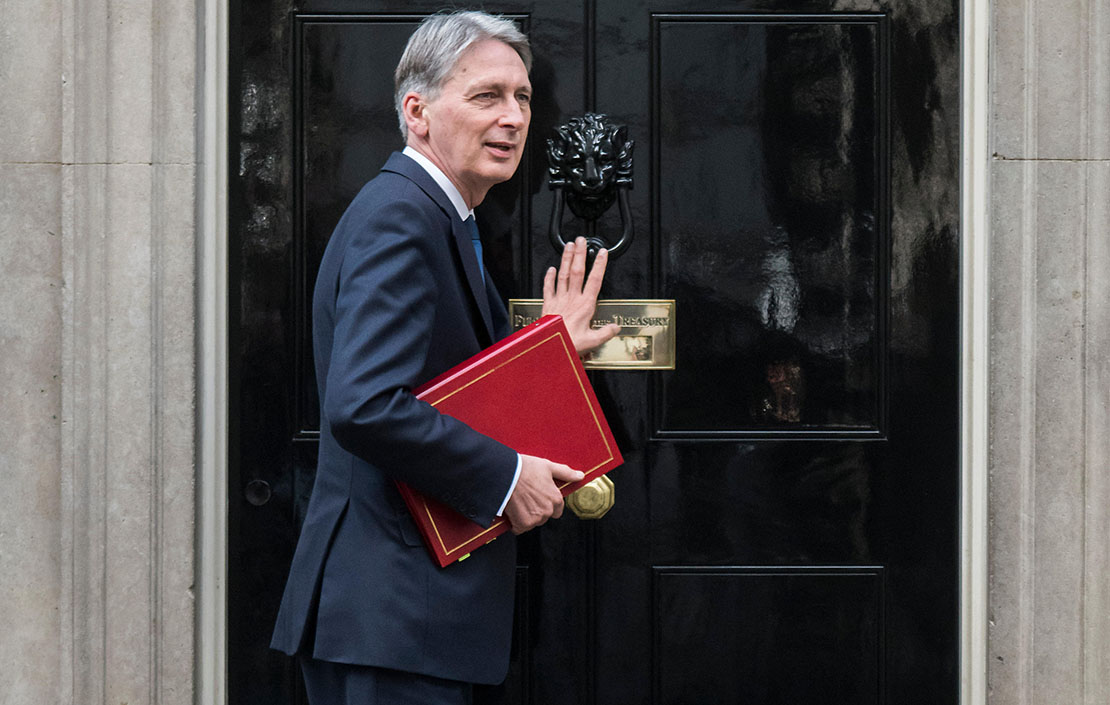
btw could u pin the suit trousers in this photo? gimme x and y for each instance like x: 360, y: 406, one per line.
x: 331, y: 683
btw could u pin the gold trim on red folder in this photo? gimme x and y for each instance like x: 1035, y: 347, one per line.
x: 571, y: 357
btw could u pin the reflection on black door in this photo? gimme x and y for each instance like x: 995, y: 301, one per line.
x: 785, y: 523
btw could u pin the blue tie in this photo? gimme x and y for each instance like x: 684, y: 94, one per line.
x: 476, y: 241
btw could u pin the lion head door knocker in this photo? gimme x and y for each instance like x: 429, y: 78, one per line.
x: 590, y: 166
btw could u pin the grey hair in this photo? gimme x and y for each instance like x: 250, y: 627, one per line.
x: 436, y: 45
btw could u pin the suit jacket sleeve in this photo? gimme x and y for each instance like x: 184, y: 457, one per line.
x: 384, y: 316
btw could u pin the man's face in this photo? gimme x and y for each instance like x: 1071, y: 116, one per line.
x: 477, y: 125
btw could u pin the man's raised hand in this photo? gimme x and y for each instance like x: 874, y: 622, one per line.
x: 571, y: 294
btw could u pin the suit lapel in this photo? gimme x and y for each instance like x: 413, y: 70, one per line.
x: 500, y: 317
x: 400, y: 164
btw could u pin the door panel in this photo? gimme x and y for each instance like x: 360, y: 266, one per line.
x: 767, y: 196
x: 774, y: 635
x: 785, y: 524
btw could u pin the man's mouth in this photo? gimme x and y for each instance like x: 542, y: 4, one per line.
x: 505, y: 148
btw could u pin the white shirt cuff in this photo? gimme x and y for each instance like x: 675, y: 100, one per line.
x: 516, y: 476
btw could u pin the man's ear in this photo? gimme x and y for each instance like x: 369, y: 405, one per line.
x: 415, y: 110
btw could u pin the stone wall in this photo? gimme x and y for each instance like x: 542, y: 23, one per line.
x: 1050, y: 353
x: 97, y: 289
x: 31, y: 305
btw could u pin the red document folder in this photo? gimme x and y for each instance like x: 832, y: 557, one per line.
x: 528, y: 391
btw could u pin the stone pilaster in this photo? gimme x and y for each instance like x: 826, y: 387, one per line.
x: 128, y: 351
x: 1050, y: 353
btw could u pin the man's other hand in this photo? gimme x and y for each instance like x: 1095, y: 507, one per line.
x: 536, y: 497
x: 572, y: 295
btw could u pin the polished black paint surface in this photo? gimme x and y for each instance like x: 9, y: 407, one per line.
x: 768, y: 635
x: 768, y: 197
x: 786, y: 521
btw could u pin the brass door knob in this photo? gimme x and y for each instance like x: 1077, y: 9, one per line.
x: 592, y: 500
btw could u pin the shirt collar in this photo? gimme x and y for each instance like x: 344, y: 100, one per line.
x: 441, y: 180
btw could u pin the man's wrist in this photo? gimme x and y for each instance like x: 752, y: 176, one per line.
x: 512, y: 486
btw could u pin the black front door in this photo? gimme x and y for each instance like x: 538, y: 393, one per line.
x: 785, y: 527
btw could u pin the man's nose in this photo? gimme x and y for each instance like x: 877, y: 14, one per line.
x: 513, y: 115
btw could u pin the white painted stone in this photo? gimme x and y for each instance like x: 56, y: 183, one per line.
x: 175, y: 452
x: 131, y: 73
x: 129, y: 476
x: 129, y: 243
x: 113, y: 72
x: 1009, y: 82
x: 1050, y: 499
x: 1061, y: 78
x: 1096, y: 578
x: 31, y: 69
x: 133, y: 92
x: 1098, y: 82
x: 1050, y: 355
x: 176, y: 97
x: 1051, y: 81
x: 1058, y: 454
x: 1011, y: 427
x: 85, y: 95
x: 30, y: 377
x: 130, y: 374
x: 83, y: 452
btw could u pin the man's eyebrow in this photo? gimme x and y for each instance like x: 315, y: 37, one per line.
x: 491, y: 84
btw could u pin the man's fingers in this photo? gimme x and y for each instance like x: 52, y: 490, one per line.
x: 603, y: 335
x: 578, y: 265
x: 536, y: 497
x: 595, y: 337
x: 549, y: 285
x: 597, y: 273
x: 564, y: 268
x: 564, y: 473
x: 549, y: 507
x: 530, y: 518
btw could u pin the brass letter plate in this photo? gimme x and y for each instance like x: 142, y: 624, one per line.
x: 646, y: 340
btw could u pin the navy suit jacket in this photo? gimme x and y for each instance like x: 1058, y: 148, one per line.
x: 399, y: 299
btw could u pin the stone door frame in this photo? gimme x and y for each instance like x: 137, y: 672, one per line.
x: 212, y: 367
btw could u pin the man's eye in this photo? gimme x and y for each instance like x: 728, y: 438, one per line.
x: 524, y: 98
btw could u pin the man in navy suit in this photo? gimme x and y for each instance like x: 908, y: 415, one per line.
x: 402, y: 296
